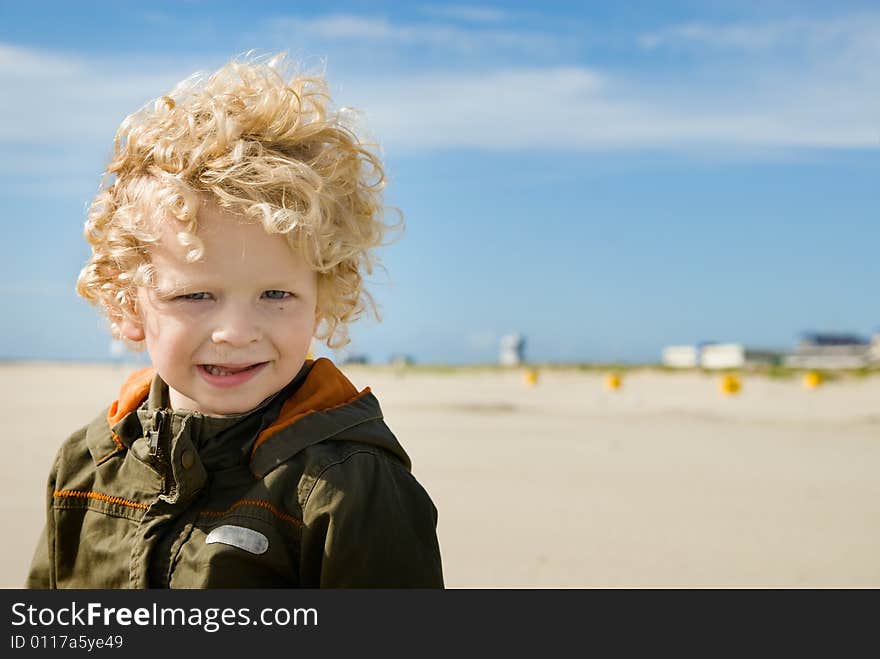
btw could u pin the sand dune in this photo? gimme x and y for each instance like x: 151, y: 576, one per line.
x: 662, y: 483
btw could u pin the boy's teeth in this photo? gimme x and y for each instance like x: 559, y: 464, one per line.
x: 216, y: 370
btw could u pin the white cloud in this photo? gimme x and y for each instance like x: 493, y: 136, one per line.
x: 574, y: 108
x: 24, y: 63
x: 833, y: 102
x: 467, y: 13
x: 829, y: 34
x: 826, y: 94
x: 50, y: 96
x: 354, y: 28
x: 346, y: 26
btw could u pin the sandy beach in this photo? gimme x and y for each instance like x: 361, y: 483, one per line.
x: 664, y: 482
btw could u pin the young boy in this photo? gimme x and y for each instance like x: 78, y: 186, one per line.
x: 241, y: 216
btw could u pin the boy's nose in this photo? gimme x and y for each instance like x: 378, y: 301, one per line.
x: 236, y: 327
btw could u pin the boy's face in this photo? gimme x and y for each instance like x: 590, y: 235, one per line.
x: 230, y: 330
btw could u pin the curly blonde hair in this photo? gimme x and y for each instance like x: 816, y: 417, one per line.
x: 260, y: 144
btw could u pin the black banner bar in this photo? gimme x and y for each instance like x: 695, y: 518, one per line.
x: 408, y: 623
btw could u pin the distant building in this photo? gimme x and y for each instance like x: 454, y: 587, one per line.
x: 815, y: 350
x: 832, y: 351
x: 512, y: 351
x: 681, y: 356
x: 685, y: 356
x: 736, y: 355
x: 713, y: 355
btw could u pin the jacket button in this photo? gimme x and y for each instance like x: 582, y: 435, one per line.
x: 187, y: 459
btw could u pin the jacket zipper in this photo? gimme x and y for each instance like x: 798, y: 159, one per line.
x: 154, y: 433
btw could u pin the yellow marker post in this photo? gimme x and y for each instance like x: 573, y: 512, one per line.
x: 812, y: 380
x: 530, y: 377
x: 730, y: 385
x: 613, y: 381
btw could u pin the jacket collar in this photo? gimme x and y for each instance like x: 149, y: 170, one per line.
x: 326, y: 405
x: 104, y: 435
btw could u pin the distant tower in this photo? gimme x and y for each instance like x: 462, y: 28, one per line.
x: 512, y: 350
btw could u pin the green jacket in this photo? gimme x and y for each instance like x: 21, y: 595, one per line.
x: 310, y: 490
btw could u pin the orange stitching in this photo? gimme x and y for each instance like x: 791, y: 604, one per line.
x: 111, y: 453
x: 133, y: 504
x: 117, y: 441
x: 255, y: 502
x: 100, y: 497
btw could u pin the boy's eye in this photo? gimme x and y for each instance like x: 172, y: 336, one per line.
x: 195, y: 296
x: 276, y: 295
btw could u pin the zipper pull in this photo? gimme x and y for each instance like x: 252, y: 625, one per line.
x: 154, y: 434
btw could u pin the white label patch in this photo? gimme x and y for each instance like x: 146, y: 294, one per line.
x: 239, y: 536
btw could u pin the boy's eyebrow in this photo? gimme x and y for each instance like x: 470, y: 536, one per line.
x: 174, y: 289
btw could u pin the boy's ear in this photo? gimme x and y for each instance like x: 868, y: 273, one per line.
x: 133, y: 330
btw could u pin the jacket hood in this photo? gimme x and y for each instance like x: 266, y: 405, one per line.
x: 326, y: 406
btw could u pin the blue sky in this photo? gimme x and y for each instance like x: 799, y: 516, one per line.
x: 604, y: 179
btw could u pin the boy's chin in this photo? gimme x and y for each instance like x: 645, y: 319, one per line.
x: 214, y: 406
x: 227, y: 409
